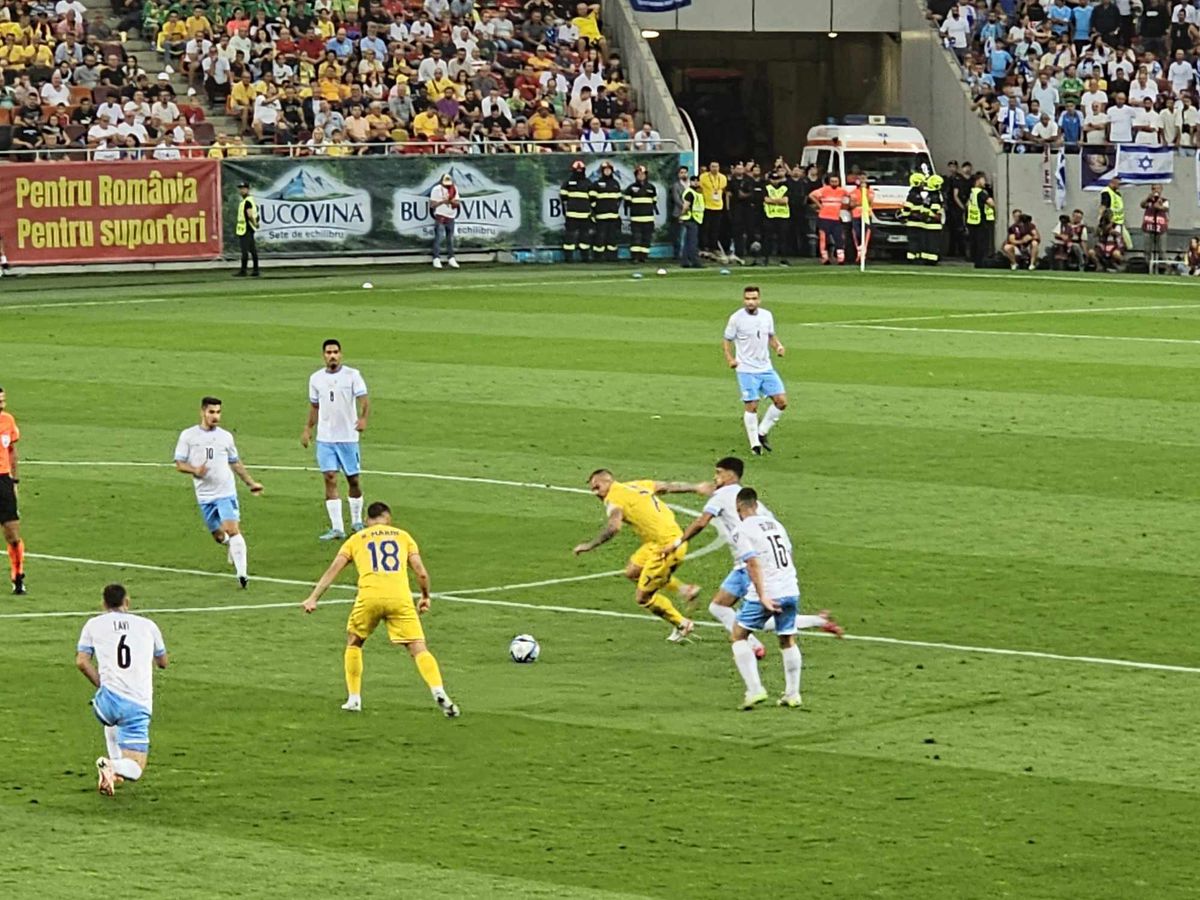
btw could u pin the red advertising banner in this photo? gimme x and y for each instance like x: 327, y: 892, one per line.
x: 81, y: 212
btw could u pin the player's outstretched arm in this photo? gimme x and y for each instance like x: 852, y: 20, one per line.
x: 698, y: 525
x: 84, y: 663
x: 240, y: 468
x: 703, y: 488
x: 611, y: 527
x: 418, y: 567
x: 335, y: 568
x: 309, y: 424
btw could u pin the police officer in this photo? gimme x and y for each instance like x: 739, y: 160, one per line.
x: 934, y: 208
x: 913, y: 214
x: 777, y: 213
x: 980, y: 216
x: 605, y: 194
x: 247, y: 226
x: 576, y: 194
x: 641, y: 203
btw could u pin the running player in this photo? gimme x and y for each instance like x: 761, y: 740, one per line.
x: 722, y: 507
x: 10, y: 517
x: 117, y: 652
x: 749, y: 340
x: 652, y: 566
x: 766, y: 549
x: 338, y: 406
x: 207, y: 453
x: 382, y: 553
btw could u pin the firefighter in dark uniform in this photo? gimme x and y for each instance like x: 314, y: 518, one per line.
x: 641, y: 202
x: 914, y: 216
x: 606, y: 211
x: 576, y: 194
x: 934, y: 207
x: 247, y: 226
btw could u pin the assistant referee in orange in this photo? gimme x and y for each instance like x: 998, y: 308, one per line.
x: 10, y: 519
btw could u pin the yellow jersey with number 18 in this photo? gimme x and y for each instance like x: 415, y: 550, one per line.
x: 650, y: 517
x: 380, y: 553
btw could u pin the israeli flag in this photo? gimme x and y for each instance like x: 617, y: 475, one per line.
x: 657, y: 6
x: 1145, y: 165
x: 1060, y: 180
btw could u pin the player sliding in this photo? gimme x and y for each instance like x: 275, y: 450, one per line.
x: 722, y: 507
x: 765, y: 548
x: 751, y: 333
x: 382, y: 554
x: 117, y: 652
x: 339, y: 407
x: 652, y: 566
x: 207, y: 453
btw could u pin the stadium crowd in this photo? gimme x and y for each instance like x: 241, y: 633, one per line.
x: 1079, y: 72
x: 327, y: 77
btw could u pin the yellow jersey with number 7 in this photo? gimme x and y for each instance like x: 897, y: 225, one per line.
x: 646, y: 514
x: 380, y: 553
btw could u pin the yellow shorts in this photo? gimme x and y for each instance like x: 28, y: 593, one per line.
x: 656, y: 572
x: 401, y: 617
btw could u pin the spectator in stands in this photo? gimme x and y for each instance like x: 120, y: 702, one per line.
x: 1070, y: 126
x: 1148, y: 125
x: 1120, y: 121
x: 647, y: 140
x: 595, y: 138
x: 1045, y: 133
x: 957, y: 31
x: 1021, y: 244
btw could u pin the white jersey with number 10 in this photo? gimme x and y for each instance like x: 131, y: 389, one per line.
x: 767, y: 541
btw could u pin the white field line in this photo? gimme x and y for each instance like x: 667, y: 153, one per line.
x: 460, y: 597
x: 1038, y: 334
x: 1003, y: 314
x: 4, y: 307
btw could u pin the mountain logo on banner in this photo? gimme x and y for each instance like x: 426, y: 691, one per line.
x: 658, y: 6
x: 306, y: 203
x: 486, y: 210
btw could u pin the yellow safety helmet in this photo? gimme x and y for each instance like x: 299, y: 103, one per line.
x: 934, y: 182
x: 916, y: 179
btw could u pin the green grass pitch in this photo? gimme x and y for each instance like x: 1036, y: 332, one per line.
x: 984, y: 463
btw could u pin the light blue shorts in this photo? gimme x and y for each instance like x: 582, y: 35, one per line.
x: 131, y: 721
x: 342, y: 455
x: 759, y: 384
x: 737, y: 583
x: 753, y: 615
x: 223, y: 509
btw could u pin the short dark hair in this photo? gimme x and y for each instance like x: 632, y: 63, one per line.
x: 206, y: 402
x: 751, y: 288
x: 377, y: 509
x: 331, y: 342
x: 599, y: 472
x: 731, y: 464
x: 747, y: 496
x: 114, y: 596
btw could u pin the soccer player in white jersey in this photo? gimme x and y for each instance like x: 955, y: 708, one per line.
x: 749, y: 340
x: 117, y: 652
x: 764, y: 546
x: 721, y: 508
x: 338, y: 405
x: 207, y: 453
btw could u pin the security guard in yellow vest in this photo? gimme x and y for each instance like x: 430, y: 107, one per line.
x: 777, y: 212
x: 606, y: 211
x: 691, y: 220
x: 1111, y: 199
x: 980, y: 218
x: 576, y: 194
x: 934, y: 206
x: 641, y: 203
x: 247, y: 226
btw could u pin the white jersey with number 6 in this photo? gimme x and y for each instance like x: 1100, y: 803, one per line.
x: 215, y: 450
x: 722, y: 506
x: 125, y: 647
x: 335, y: 394
x: 767, y: 541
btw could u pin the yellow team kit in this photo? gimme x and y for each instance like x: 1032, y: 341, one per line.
x: 655, y: 525
x: 380, y: 553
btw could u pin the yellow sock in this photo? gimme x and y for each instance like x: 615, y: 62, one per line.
x: 428, y: 667
x: 664, y: 609
x: 354, y: 670
x: 674, y: 586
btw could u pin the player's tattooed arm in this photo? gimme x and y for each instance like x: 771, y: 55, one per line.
x: 611, y: 527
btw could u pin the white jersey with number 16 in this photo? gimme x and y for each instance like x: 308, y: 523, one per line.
x: 767, y: 541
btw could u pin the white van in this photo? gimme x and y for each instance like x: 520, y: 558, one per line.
x: 887, y: 148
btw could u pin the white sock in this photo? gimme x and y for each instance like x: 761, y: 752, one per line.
x: 750, y: 420
x: 810, y: 621
x: 127, y: 769
x: 237, y: 554
x: 354, y: 698
x: 356, y: 505
x: 755, y: 643
x: 724, y: 615
x: 334, y: 508
x: 772, y: 416
x: 110, y: 741
x: 747, y: 666
x: 439, y: 694
x: 791, y: 671
x: 769, y: 625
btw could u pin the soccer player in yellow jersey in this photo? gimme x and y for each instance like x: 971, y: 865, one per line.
x: 652, y: 565
x: 383, y: 553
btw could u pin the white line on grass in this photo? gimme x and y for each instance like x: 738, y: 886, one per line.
x: 461, y: 597
x: 1039, y: 334
x: 1003, y: 314
x: 7, y: 306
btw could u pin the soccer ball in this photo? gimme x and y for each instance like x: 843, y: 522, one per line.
x: 661, y: 272
x: 367, y: 285
x: 524, y: 649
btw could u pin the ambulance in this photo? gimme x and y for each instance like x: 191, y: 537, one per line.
x: 888, y: 149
